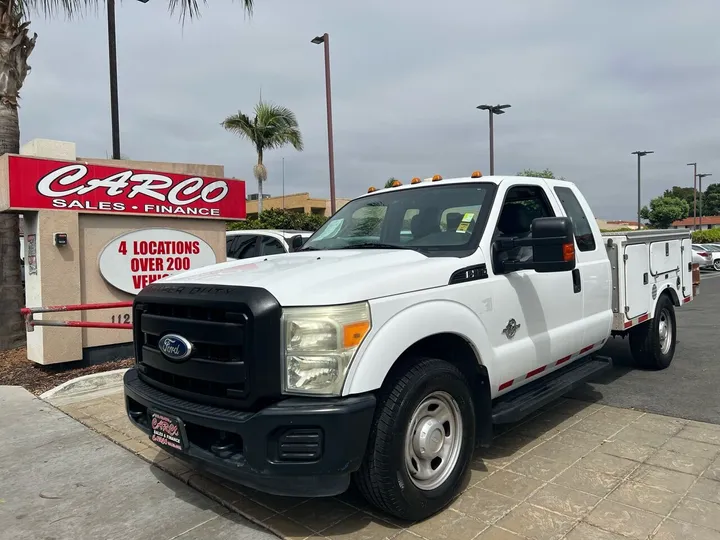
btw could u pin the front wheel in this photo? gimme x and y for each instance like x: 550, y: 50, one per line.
x: 421, y: 442
x: 653, y: 343
x: 716, y: 265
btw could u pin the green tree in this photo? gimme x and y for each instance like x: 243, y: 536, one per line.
x: 664, y: 210
x: 389, y: 182
x: 16, y: 46
x: 271, y: 127
x: 711, y: 200
x: 684, y: 193
x: 277, y: 218
x: 547, y: 173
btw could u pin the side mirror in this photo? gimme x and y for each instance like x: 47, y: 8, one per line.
x: 296, y: 242
x: 553, y: 244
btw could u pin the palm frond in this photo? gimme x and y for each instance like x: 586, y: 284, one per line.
x: 188, y: 9
x: 240, y: 125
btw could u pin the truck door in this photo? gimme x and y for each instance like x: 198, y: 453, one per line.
x: 592, y: 272
x: 533, y: 317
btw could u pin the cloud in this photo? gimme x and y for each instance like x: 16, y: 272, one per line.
x: 588, y: 82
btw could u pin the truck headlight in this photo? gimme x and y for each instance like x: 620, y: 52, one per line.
x: 320, y: 343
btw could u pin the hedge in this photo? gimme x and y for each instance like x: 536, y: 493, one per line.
x: 706, y: 236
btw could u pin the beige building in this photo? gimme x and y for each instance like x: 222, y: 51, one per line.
x: 295, y: 202
x: 614, y: 225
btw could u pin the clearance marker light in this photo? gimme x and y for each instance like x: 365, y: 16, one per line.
x: 371, y: 189
x: 396, y: 183
x: 415, y: 180
x: 436, y: 178
x: 568, y: 252
x: 476, y: 174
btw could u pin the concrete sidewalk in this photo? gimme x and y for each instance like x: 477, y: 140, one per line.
x: 60, y: 480
x: 574, y: 471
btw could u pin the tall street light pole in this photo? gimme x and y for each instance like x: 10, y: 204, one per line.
x: 640, y: 153
x: 325, y: 40
x: 700, y: 177
x: 114, y: 113
x: 694, y: 165
x: 112, y: 52
x: 493, y: 110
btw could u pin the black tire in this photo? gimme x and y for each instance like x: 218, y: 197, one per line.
x: 384, y: 478
x: 645, y: 341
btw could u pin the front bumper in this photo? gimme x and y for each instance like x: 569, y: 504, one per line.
x: 298, y: 447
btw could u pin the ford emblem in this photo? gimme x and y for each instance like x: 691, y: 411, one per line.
x: 175, y: 347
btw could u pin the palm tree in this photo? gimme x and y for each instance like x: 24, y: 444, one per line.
x: 16, y: 45
x: 272, y: 127
x: 390, y: 181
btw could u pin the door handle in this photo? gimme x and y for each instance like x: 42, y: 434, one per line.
x: 577, y: 284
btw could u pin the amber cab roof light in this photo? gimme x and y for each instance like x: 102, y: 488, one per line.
x: 396, y: 183
x: 415, y: 180
x: 476, y: 174
x: 436, y: 178
x: 371, y: 189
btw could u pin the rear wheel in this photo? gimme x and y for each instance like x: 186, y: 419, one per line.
x: 421, y: 443
x: 716, y: 264
x: 653, y: 343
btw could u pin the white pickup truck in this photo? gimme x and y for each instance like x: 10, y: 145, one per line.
x: 389, y: 345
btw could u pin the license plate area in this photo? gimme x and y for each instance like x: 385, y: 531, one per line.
x: 168, y: 431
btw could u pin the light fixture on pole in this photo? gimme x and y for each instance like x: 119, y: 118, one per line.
x: 700, y: 176
x: 640, y: 153
x: 325, y: 40
x: 493, y: 110
x: 694, y: 166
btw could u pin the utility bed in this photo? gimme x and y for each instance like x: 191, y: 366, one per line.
x: 644, y: 263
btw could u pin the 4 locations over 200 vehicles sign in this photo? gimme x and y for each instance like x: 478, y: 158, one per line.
x: 43, y: 184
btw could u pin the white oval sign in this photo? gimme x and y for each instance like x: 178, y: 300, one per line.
x: 133, y: 260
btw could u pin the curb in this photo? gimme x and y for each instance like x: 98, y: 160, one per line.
x: 85, y: 387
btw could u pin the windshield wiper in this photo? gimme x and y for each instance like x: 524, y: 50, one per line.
x: 309, y: 248
x: 374, y: 245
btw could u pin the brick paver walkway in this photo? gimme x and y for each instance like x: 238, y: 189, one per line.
x: 576, y: 471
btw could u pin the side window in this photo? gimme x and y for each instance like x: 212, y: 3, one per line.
x: 522, y: 205
x: 583, y: 231
x: 243, y: 247
x: 271, y: 246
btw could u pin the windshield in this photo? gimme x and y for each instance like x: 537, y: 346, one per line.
x: 431, y: 219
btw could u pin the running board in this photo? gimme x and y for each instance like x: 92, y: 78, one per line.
x: 517, y: 404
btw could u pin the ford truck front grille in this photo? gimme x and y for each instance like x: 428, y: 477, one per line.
x: 235, y: 335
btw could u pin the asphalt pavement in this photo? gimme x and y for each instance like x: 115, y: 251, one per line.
x: 690, y: 387
x: 60, y: 480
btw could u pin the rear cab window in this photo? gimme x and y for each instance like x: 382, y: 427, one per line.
x: 583, y: 231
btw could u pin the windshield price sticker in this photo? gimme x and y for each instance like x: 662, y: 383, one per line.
x: 134, y: 260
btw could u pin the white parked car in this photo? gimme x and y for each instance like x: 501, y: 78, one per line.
x: 702, y: 256
x: 258, y: 242
x: 714, y: 251
x: 384, y: 358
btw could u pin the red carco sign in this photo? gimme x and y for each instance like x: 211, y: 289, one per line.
x: 42, y: 184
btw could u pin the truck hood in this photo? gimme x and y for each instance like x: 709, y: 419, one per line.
x: 329, y: 277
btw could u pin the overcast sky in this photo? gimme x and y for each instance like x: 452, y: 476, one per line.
x: 589, y: 82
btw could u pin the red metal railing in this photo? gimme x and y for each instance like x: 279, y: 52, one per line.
x: 31, y: 323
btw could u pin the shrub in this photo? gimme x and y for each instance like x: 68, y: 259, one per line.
x: 277, y: 218
x: 706, y: 236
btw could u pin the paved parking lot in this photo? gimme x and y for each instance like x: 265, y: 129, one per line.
x: 689, y: 387
x: 582, y: 469
x: 576, y: 471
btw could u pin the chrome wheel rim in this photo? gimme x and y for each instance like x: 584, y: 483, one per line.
x: 716, y: 264
x: 433, y: 441
x: 665, y: 331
